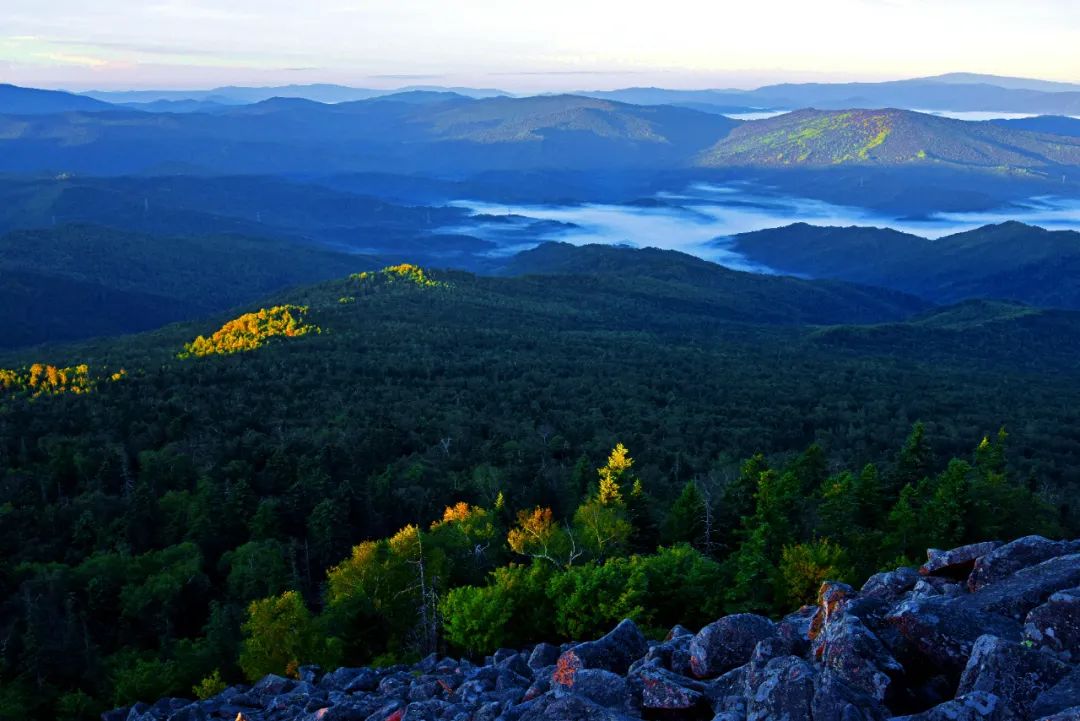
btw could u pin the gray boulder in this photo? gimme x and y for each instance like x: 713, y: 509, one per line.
x: 942, y: 631
x: 785, y: 692
x: 1024, y: 552
x: 1012, y: 672
x: 975, y: 706
x: 1055, y: 625
x: 956, y: 563
x: 614, y: 652
x: 727, y: 643
x: 1059, y: 697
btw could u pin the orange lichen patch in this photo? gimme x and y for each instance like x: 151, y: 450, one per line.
x: 566, y: 669
x: 251, y: 331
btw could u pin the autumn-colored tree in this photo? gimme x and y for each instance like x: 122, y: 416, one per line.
x: 251, y: 331
x: 279, y: 635
x: 612, y: 476
x: 805, y: 566
x: 536, y: 535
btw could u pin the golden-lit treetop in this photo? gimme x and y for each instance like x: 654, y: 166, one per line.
x: 252, y: 330
x: 395, y: 273
x: 44, y: 379
x: 611, y: 476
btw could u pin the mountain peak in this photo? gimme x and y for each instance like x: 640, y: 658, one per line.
x: 885, y: 137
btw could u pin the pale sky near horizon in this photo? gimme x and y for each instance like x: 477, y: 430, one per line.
x: 533, y: 45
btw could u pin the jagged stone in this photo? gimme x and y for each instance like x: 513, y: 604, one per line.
x: 571, y: 707
x: 673, y: 654
x: 785, y: 692
x: 614, y: 652
x: 1006, y: 560
x: 765, y: 651
x: 794, y: 628
x: 678, y: 631
x: 1069, y: 714
x: 727, y: 643
x: 1029, y: 587
x: 350, y: 680
x: 891, y: 585
x: 1059, y: 697
x: 942, y: 631
x: 272, y: 685
x: 662, y: 690
x: 598, y: 685
x: 517, y: 663
x: 1010, y: 671
x: 832, y: 600
x: 1055, y: 625
x: 543, y: 655
x: 855, y: 655
x: 837, y: 700
x: 958, y: 562
x: 975, y: 706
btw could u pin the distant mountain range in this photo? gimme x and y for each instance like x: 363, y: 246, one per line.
x: 887, y: 137
x: 959, y: 92
x: 414, y: 132
x: 1010, y: 261
x: 29, y: 101
x: 233, y: 95
x: 431, y: 132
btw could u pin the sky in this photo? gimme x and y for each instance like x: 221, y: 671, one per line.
x: 528, y: 45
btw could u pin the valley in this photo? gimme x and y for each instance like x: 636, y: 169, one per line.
x: 421, y: 379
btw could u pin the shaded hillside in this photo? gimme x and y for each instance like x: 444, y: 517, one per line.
x: 1010, y: 261
x: 991, y: 331
x: 445, y: 132
x: 246, y: 205
x: 80, y: 281
x: 817, y: 138
x: 720, y: 292
x: 1051, y: 124
x: 15, y: 100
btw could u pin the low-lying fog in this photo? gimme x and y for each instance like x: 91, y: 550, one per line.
x: 697, y: 220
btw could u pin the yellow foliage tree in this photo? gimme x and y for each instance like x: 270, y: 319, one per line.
x: 611, y: 476
x: 536, y: 535
x: 251, y: 331
x: 45, y: 379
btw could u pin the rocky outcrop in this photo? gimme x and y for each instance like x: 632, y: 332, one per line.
x: 986, y: 632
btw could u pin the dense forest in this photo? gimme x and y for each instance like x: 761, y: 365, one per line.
x: 448, y: 452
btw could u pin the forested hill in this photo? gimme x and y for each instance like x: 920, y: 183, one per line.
x: 1007, y: 261
x: 153, y: 487
x: 890, y: 137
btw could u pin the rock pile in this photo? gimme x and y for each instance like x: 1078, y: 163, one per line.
x: 987, y: 632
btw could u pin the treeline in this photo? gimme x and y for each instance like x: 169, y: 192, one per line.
x: 763, y: 542
x: 125, y: 624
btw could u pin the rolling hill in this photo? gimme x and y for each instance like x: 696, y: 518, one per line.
x: 15, y: 100
x: 417, y: 132
x: 1010, y: 261
x: 81, y: 281
x: 1050, y: 124
x: 825, y: 139
x: 725, y: 294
